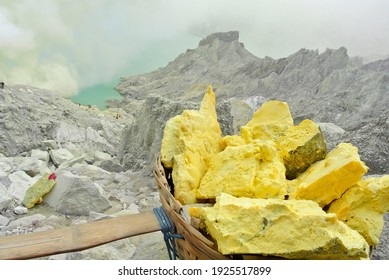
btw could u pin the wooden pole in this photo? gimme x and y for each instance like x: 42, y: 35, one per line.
x: 77, y: 237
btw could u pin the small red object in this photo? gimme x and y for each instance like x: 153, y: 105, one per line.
x: 52, y: 176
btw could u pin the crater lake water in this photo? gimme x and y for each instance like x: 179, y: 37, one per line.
x: 156, y: 55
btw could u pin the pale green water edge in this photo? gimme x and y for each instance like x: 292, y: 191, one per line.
x: 153, y: 56
x: 96, y: 95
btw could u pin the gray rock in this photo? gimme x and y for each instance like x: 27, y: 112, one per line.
x: 33, y: 166
x: 61, y: 155
x: 76, y: 195
x: 5, y: 198
x: 50, y: 144
x: 20, y: 210
x: 40, y: 155
x: 20, y: 182
x: 44, y: 121
x: 332, y: 133
x: 70, y: 162
x: 44, y: 228
x: 24, y: 222
x: 4, y: 221
x: 9, y: 165
x: 100, y: 156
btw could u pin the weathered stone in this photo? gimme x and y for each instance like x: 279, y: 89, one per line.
x: 50, y: 144
x: 100, y: 156
x: 76, y: 195
x: 362, y: 207
x: 5, y: 198
x: 61, y: 155
x: 251, y: 170
x: 9, y: 165
x: 27, y: 221
x: 332, y: 133
x: 20, y: 182
x: 70, y: 162
x: 326, y: 180
x: 40, y: 155
x: 4, y: 221
x: 35, y: 193
x: 292, y: 229
x: 33, y: 166
x: 188, y: 144
x: 20, y: 210
x: 302, y: 146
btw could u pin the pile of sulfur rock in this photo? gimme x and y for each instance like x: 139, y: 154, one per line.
x: 275, y: 189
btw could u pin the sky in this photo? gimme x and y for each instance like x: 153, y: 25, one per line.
x: 68, y: 45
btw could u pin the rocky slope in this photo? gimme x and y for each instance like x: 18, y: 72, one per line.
x: 41, y: 132
x: 328, y: 87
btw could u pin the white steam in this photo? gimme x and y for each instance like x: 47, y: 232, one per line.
x: 66, y: 45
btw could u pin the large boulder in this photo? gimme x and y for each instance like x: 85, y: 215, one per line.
x: 76, y: 195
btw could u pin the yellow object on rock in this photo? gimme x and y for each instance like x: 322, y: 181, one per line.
x: 326, y: 180
x: 302, y: 146
x: 292, y: 229
x: 251, y: 170
x: 189, y: 142
x: 43, y: 186
x: 362, y: 207
x: 269, y: 122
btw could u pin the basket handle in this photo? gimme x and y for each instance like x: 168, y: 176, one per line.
x: 77, y: 237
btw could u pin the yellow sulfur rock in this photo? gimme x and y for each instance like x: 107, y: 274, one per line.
x: 34, y: 193
x: 234, y: 140
x: 362, y: 207
x: 171, y: 144
x: 189, y: 142
x: 292, y: 229
x: 269, y: 122
x: 302, y: 146
x: 251, y: 170
x: 326, y: 180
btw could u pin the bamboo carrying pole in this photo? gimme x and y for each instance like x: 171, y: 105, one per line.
x: 77, y: 237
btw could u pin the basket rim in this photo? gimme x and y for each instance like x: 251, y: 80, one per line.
x: 193, y: 243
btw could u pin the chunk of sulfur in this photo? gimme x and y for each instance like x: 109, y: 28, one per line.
x: 362, y: 207
x: 35, y: 193
x: 292, y: 229
x: 251, y: 170
x: 302, y: 146
x: 327, y: 179
x: 269, y: 122
x: 189, y: 142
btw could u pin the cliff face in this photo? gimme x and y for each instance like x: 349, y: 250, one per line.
x: 328, y: 87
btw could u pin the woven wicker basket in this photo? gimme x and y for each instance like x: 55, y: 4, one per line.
x: 194, y: 245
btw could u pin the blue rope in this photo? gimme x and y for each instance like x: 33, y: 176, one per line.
x: 168, y: 229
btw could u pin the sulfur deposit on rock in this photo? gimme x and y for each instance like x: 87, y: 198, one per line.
x: 302, y: 145
x: 251, y: 170
x: 326, y: 180
x: 293, y: 229
x: 362, y: 207
x: 35, y: 193
x: 189, y: 142
x: 269, y: 122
